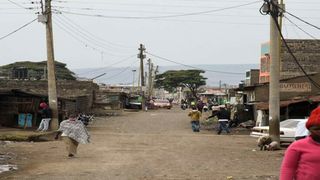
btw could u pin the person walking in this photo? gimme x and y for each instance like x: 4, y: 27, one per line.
x: 45, y: 117
x: 223, y: 119
x: 200, y: 105
x: 195, y: 119
x: 73, y: 132
x: 302, y: 160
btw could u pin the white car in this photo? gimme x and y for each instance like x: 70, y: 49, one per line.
x: 287, y: 130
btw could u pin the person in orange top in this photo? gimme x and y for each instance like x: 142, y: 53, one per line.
x: 195, y: 119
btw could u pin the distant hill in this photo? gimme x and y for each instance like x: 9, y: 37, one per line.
x: 125, y: 75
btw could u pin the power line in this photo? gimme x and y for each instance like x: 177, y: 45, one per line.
x: 102, y: 68
x: 295, y: 16
x: 122, y: 70
x: 71, y: 33
x: 300, y: 28
x: 76, y: 31
x: 159, y: 17
x: 209, y: 70
x: 21, y: 6
x: 18, y: 29
x: 157, y: 5
x: 274, y: 17
x: 95, y: 37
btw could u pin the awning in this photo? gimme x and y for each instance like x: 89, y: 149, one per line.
x: 285, y: 103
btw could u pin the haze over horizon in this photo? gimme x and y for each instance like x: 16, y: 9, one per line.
x: 214, y: 72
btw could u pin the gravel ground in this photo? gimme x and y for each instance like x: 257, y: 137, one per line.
x: 155, y: 145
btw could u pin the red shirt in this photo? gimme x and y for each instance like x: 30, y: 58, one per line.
x: 301, y: 161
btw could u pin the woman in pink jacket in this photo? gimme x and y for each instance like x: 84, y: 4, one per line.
x: 302, y: 158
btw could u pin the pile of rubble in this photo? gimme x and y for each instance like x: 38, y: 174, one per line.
x: 5, y: 159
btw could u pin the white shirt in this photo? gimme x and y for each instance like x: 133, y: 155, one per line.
x: 301, y: 129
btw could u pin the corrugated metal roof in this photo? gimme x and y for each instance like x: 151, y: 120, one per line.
x: 285, y: 103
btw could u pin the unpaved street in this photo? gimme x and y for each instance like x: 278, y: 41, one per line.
x: 156, y: 145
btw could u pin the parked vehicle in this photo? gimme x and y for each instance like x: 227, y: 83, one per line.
x: 135, y: 102
x: 287, y: 130
x: 162, y: 103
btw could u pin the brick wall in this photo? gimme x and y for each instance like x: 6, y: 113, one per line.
x: 66, y: 89
x: 308, y: 54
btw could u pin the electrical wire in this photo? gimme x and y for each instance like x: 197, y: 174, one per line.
x: 122, y: 70
x: 86, y: 44
x: 313, y: 37
x: 274, y: 15
x: 175, y: 62
x: 23, y: 7
x: 108, y: 43
x: 300, y: 19
x: 159, y: 17
x: 25, y: 25
x: 77, y: 31
x: 109, y: 66
x: 154, y: 5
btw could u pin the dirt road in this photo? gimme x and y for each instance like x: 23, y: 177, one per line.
x: 147, y: 145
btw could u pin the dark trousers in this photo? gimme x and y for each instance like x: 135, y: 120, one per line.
x: 223, y: 125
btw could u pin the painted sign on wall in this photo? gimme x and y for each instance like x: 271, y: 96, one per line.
x: 295, y: 87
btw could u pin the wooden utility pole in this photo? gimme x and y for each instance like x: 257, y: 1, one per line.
x: 153, y: 77
x: 274, y: 90
x: 141, y: 56
x: 52, y: 87
x: 149, y: 78
x: 133, y: 72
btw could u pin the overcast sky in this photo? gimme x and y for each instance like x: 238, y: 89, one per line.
x: 100, y: 33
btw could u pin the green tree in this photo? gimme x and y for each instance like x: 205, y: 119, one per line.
x: 171, y: 80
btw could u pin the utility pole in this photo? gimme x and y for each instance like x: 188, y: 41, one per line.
x: 149, y: 78
x: 274, y: 90
x: 141, y: 56
x: 52, y: 87
x: 153, y: 77
x: 133, y: 72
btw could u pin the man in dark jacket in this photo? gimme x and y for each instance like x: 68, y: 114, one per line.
x: 223, y: 116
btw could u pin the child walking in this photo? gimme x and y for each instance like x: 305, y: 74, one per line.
x: 195, y: 119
